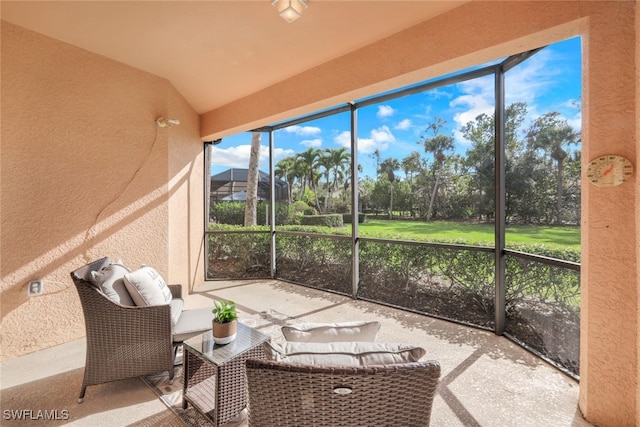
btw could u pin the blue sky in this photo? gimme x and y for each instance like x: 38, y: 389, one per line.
x: 549, y: 81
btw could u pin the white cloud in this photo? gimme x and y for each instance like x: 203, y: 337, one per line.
x: 303, y: 130
x: 403, y: 125
x: 459, y: 138
x: 438, y: 93
x: 384, y: 111
x: 473, y: 106
x: 527, y: 82
x: 343, y: 139
x: 233, y: 157
x: 572, y: 113
x: 368, y: 146
x: 379, y: 139
x: 427, y: 115
x: 576, y: 122
x: 238, y: 156
x: 280, y: 153
x: 382, y: 135
x: 312, y: 142
x: 477, y: 98
x: 531, y: 79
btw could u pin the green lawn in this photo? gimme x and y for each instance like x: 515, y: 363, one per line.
x: 551, y: 236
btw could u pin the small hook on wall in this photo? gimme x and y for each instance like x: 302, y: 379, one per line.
x: 166, y: 123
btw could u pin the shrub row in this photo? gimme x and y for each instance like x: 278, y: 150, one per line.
x: 232, y: 213
x: 346, y: 218
x: 238, y: 255
x: 410, y: 264
x: 452, y: 282
x: 329, y: 220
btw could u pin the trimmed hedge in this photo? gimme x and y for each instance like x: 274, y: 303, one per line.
x: 330, y: 220
x: 232, y: 213
x: 346, y: 218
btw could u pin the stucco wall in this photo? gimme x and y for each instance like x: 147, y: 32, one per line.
x: 637, y: 199
x: 86, y: 173
x: 482, y: 31
x: 186, y: 197
x: 609, y: 245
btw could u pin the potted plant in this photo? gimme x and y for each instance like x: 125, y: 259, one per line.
x: 225, y: 323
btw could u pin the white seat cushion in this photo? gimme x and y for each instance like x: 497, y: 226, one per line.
x: 332, y: 332
x: 192, y: 323
x: 344, y: 353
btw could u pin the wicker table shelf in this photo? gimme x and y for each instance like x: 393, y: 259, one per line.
x: 214, y: 375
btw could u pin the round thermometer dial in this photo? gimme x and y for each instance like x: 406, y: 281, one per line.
x: 609, y: 170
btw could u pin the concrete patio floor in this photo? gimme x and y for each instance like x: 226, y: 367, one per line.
x: 486, y: 380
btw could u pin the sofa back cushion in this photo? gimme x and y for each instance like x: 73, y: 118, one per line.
x: 344, y: 353
x: 332, y: 332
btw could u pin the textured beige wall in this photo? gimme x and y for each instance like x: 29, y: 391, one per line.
x: 636, y: 162
x: 85, y: 173
x: 609, y: 339
x: 63, y: 108
x: 186, y: 197
x: 483, y: 31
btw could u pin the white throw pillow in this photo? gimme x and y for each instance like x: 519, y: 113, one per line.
x: 332, y: 332
x: 344, y: 353
x: 110, y: 280
x: 147, y: 287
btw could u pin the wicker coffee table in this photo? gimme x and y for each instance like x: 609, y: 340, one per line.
x: 214, y: 375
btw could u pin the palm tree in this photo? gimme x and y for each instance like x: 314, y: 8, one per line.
x: 389, y: 167
x: 325, y: 161
x: 285, y: 169
x: 337, y: 164
x: 309, y: 163
x: 436, y: 145
x: 552, y: 134
x: 376, y: 157
x: 251, y: 205
x: 411, y: 164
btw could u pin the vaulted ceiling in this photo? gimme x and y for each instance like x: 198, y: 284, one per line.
x: 215, y: 52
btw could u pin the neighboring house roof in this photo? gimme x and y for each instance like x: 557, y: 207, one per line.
x: 240, y: 175
x: 231, y: 185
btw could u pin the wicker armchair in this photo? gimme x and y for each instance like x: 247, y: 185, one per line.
x: 282, y: 395
x: 125, y: 342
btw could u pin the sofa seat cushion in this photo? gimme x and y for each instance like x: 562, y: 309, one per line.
x: 147, y: 287
x: 332, y: 332
x: 344, y: 353
x: 110, y: 280
x: 192, y: 323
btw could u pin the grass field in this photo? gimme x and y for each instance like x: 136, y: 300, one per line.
x: 552, y: 236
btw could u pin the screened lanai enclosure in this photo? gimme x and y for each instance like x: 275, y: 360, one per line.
x: 228, y: 195
x: 466, y: 204
x: 231, y: 186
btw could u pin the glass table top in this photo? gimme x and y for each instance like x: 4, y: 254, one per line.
x: 246, y: 339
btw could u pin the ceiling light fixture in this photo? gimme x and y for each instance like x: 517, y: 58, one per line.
x: 290, y: 10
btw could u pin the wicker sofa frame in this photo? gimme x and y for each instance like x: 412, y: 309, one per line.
x: 288, y: 395
x: 122, y: 342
